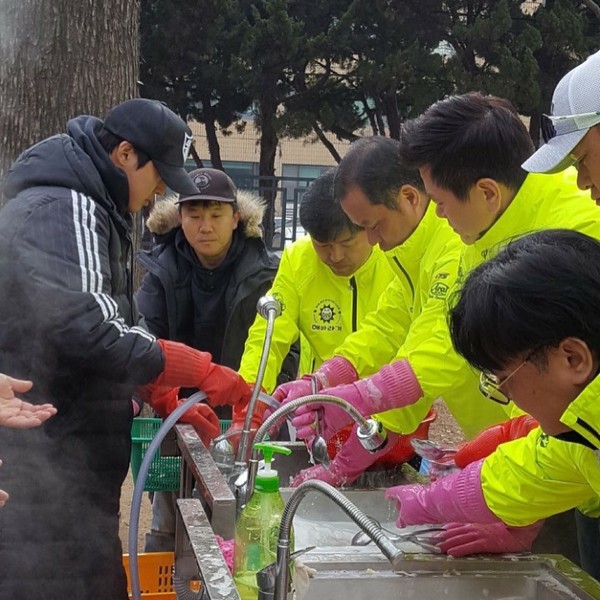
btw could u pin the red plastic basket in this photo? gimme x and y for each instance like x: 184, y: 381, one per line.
x: 402, y: 450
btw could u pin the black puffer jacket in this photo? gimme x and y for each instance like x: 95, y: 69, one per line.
x: 67, y: 323
x: 170, y: 302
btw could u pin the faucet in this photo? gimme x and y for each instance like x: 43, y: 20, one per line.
x: 282, y: 579
x: 371, y: 433
x: 268, y: 308
x: 221, y: 449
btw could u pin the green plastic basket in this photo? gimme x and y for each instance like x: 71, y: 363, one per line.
x: 165, y: 471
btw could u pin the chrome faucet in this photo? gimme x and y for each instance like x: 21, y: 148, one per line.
x: 268, y: 308
x: 371, y: 433
x: 221, y: 449
x: 282, y: 579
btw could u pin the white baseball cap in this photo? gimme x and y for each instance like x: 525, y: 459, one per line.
x: 575, y: 109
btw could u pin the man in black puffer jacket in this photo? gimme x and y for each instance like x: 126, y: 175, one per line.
x: 68, y: 323
x: 206, y: 272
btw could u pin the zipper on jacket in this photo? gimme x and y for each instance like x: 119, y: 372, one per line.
x: 410, y: 283
x: 354, y: 302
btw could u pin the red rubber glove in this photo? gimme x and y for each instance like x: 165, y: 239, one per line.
x: 332, y: 372
x: 186, y: 367
x: 460, y: 539
x: 237, y: 423
x: 489, y: 439
x: 165, y: 400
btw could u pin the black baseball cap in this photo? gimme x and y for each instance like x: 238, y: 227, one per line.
x: 158, y: 132
x: 210, y: 184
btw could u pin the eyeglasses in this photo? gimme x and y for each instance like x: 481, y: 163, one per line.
x: 561, y: 125
x: 490, y: 385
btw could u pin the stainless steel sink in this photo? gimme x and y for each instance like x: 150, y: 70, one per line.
x: 362, y: 575
x: 319, y: 521
x: 349, y: 572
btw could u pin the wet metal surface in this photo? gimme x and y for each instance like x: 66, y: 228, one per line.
x: 207, y: 557
x: 199, y: 468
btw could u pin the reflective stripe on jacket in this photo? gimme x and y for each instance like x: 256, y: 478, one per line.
x: 322, y: 306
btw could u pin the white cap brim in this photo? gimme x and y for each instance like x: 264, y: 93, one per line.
x: 553, y: 156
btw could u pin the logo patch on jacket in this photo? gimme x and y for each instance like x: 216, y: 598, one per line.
x: 327, y: 316
x: 439, y: 289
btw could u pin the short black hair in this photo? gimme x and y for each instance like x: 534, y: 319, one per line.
x: 320, y: 215
x: 537, y: 291
x: 373, y: 164
x: 208, y: 203
x: 109, y: 141
x: 466, y: 138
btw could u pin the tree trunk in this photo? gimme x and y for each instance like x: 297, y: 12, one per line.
x: 391, y: 112
x: 60, y: 59
x: 196, y: 156
x: 266, y: 166
x: 211, y: 133
x: 534, y: 127
x: 332, y: 150
x: 595, y: 8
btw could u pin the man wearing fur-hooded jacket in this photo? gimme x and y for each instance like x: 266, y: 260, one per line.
x: 206, y: 272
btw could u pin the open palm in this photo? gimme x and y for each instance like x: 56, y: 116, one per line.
x: 17, y: 413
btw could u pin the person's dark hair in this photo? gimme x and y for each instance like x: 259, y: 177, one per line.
x: 320, y: 215
x: 373, y: 164
x: 466, y: 138
x: 536, y: 292
x: 109, y: 141
x: 208, y: 203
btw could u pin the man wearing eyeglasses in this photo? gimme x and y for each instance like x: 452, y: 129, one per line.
x: 572, y: 133
x: 572, y: 137
x: 538, y: 301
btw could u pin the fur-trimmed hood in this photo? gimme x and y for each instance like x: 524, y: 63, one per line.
x: 164, y: 216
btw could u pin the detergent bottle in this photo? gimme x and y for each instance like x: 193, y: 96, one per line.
x: 257, y: 528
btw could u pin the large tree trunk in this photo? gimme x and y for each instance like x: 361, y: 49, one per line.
x: 59, y: 59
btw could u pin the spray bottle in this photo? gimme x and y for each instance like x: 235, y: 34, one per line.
x: 257, y: 528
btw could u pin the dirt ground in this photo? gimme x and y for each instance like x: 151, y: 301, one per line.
x: 443, y: 430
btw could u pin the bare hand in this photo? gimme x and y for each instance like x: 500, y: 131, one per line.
x: 3, y: 495
x: 17, y: 413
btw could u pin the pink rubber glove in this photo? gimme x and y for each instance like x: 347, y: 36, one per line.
x: 393, y: 386
x: 460, y: 539
x: 332, y: 372
x: 455, y: 498
x: 348, y: 464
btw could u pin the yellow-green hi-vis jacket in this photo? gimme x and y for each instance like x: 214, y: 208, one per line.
x: 543, y: 202
x: 537, y: 476
x: 316, y: 303
x: 411, y: 323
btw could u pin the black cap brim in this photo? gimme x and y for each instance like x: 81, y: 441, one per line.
x: 176, y: 178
